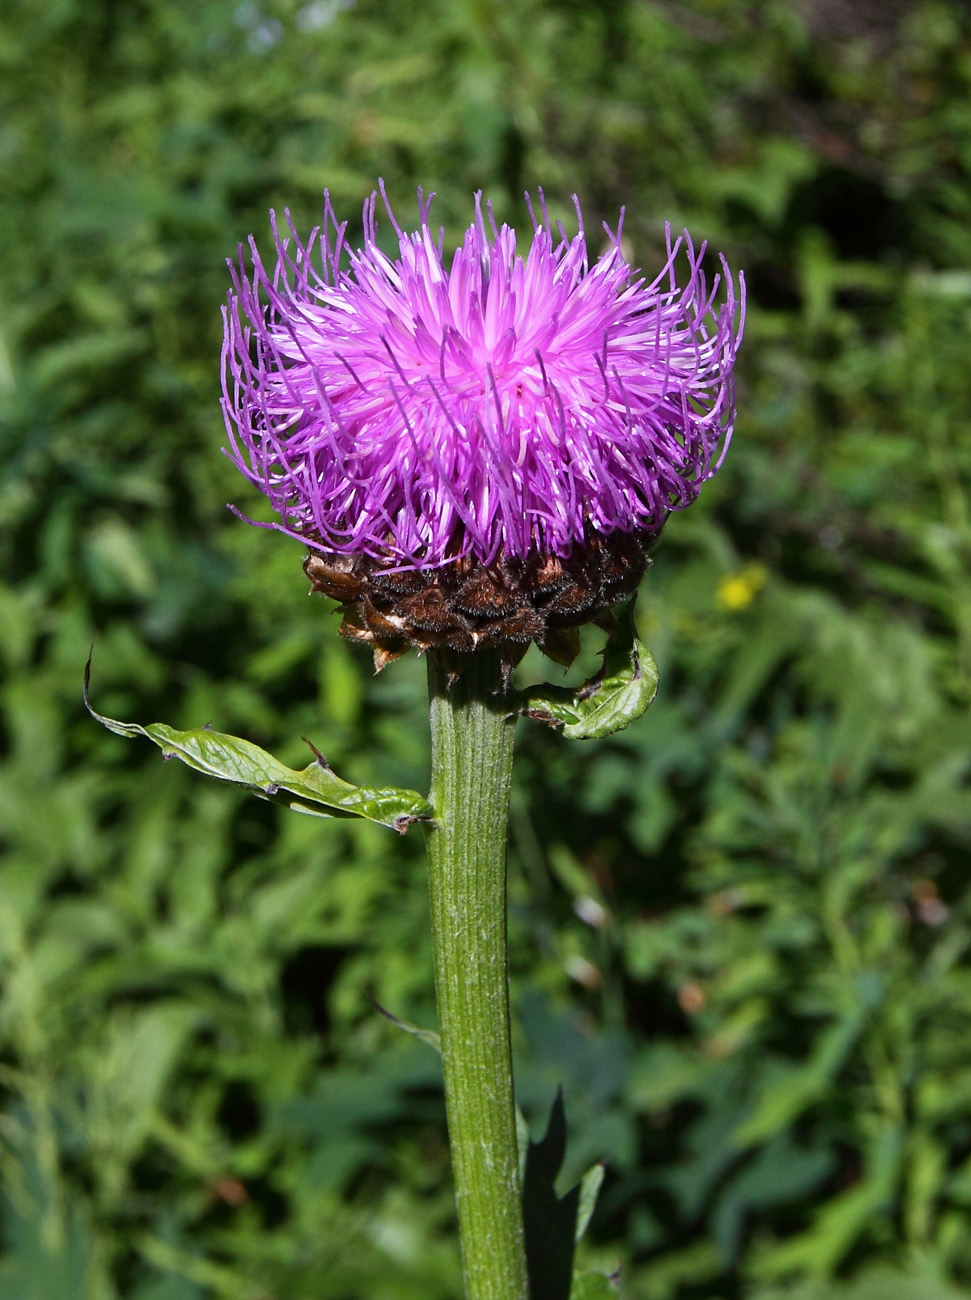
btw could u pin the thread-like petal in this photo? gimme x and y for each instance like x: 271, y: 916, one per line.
x: 505, y: 405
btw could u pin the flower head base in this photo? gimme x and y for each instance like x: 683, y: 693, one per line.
x: 502, y: 411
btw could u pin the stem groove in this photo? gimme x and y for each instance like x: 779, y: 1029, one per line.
x: 472, y: 745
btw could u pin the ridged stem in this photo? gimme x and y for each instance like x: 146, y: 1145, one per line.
x: 472, y: 744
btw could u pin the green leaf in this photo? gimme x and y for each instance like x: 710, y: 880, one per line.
x: 428, y: 1036
x: 522, y: 1143
x: 592, y: 1286
x: 844, y: 1217
x: 622, y: 690
x: 590, y: 1185
x: 785, y: 1097
x: 315, y: 790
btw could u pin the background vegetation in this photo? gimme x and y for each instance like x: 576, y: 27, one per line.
x: 741, y: 929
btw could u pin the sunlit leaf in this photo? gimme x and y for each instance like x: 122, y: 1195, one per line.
x: 590, y: 1185
x: 428, y: 1036
x: 622, y: 690
x: 315, y: 789
x: 592, y: 1286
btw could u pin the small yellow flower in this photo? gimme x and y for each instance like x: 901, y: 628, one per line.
x: 737, y: 590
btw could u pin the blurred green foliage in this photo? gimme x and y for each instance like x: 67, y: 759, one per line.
x: 741, y: 928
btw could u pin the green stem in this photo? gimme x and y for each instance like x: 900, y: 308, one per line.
x: 472, y: 742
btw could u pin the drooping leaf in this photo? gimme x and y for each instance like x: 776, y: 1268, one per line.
x: 315, y: 789
x: 621, y: 691
x: 428, y: 1036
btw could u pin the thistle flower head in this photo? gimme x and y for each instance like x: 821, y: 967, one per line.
x: 511, y: 403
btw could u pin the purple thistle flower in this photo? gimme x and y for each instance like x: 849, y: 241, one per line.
x: 504, y: 407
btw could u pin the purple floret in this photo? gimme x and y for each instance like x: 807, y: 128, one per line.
x: 506, y: 405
